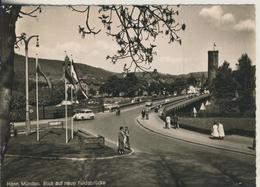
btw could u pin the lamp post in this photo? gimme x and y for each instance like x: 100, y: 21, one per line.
x: 26, y: 43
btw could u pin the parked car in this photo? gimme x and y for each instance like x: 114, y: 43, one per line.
x: 82, y: 114
x: 166, y: 100
x: 149, y: 103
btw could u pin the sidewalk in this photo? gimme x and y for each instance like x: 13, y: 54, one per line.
x: 232, y: 143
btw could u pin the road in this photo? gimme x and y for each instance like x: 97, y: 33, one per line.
x: 161, y: 161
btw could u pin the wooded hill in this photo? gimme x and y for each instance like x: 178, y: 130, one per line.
x: 54, y: 70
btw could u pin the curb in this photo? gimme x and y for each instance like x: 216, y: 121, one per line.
x: 194, y: 142
x: 69, y: 158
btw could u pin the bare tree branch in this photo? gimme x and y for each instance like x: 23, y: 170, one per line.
x: 138, y: 25
x: 31, y: 13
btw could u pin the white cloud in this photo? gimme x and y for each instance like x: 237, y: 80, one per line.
x: 228, y: 18
x: 245, y: 25
x: 216, y: 13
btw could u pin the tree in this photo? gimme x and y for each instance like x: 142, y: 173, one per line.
x: 132, y: 84
x: 224, y: 85
x: 8, y: 18
x: 132, y: 27
x: 137, y: 24
x: 112, y: 86
x: 128, y: 85
x: 245, y: 78
x: 191, y: 80
x: 180, y: 84
x: 92, y: 91
x: 224, y: 88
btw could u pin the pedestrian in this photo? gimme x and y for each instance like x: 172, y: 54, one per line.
x: 214, y: 131
x: 121, y: 140
x: 175, y: 120
x: 143, y: 113
x: 147, y: 113
x: 221, y: 131
x: 118, y: 111
x: 168, y: 122
x: 194, y: 112
x: 156, y: 109
x: 127, y: 138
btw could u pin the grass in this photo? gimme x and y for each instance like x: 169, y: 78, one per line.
x: 52, y: 143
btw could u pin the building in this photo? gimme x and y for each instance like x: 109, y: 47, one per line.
x: 212, y: 65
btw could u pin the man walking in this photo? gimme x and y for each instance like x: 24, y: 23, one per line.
x: 143, y: 113
x: 175, y: 120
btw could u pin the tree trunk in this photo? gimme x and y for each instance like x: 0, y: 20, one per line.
x: 8, y: 19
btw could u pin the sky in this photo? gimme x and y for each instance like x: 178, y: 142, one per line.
x: 226, y: 25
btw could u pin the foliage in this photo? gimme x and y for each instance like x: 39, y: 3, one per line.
x: 127, y: 85
x: 192, y: 80
x: 224, y: 85
x: 133, y: 27
x: 17, y: 107
x: 236, y: 89
x: 92, y: 91
x: 180, y: 84
x: 245, y: 78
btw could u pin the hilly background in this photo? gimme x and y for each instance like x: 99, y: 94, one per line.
x: 54, y: 70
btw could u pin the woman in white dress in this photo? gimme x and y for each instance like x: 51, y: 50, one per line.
x: 168, y: 122
x: 214, y: 131
x: 221, y: 131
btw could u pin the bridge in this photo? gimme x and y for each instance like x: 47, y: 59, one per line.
x: 181, y: 103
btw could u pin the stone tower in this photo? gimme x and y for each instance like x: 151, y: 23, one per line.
x: 212, y: 65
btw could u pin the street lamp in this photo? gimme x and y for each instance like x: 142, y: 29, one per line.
x: 26, y: 43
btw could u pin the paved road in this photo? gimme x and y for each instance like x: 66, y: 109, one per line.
x: 160, y: 161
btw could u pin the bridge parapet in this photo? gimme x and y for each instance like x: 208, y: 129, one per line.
x: 183, y: 103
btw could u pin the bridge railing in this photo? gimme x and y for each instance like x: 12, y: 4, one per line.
x: 175, y: 106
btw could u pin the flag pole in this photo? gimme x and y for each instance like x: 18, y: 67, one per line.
x: 71, y: 97
x: 71, y: 92
x: 37, y: 99
x: 66, y: 108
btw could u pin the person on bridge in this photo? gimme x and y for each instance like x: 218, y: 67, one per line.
x: 194, y: 112
x: 221, y: 131
x: 214, y: 131
x: 121, y: 140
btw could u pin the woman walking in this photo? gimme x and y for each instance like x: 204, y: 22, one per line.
x: 127, y: 138
x: 168, y: 122
x: 214, y: 131
x: 121, y: 140
x: 221, y: 131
